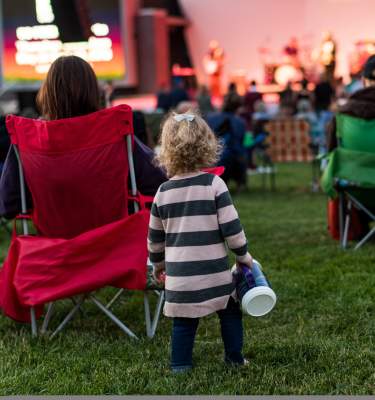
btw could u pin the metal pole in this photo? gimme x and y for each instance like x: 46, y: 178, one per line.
x: 25, y: 228
x: 68, y: 317
x: 133, y: 181
x: 47, y: 318
x: 347, y: 223
x: 157, y: 313
x: 22, y: 190
x: 147, y: 314
x: 34, y: 328
x: 341, y: 215
x: 115, y: 297
x: 112, y: 317
x: 364, y: 240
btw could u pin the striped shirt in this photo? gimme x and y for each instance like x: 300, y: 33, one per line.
x: 192, y: 217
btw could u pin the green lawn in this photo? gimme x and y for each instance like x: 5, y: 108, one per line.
x: 318, y: 340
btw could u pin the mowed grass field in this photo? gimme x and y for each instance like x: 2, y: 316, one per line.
x: 318, y: 340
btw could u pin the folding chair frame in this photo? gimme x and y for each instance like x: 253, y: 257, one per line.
x: 345, y: 217
x: 151, y: 323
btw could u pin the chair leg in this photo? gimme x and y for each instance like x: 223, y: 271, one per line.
x: 68, y: 317
x: 34, y: 326
x: 81, y: 310
x: 116, y: 296
x: 151, y: 324
x: 108, y: 313
x: 341, y: 215
x: 347, y: 224
x: 159, y: 306
x: 370, y: 214
x: 364, y: 240
x: 147, y: 314
x: 47, y: 318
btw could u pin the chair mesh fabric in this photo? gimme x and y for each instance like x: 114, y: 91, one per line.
x: 355, y: 133
x: 76, y: 169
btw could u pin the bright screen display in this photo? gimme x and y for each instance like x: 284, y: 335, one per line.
x: 36, y: 32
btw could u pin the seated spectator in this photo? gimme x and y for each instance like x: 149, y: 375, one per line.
x: 251, y: 97
x: 304, y: 93
x: 285, y: 111
x: 178, y: 93
x: 360, y: 104
x: 70, y: 90
x: 260, y: 118
x: 204, y: 101
x: 305, y: 112
x: 140, y: 128
x: 340, y: 89
x: 323, y: 94
x: 4, y: 142
x: 231, y: 128
x: 288, y: 99
x: 232, y: 97
x: 260, y: 111
x: 355, y: 84
x: 163, y: 99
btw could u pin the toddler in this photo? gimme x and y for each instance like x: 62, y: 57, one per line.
x: 192, y: 217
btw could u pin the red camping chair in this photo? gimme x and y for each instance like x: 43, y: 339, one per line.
x: 77, y: 172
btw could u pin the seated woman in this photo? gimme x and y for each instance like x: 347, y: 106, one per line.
x: 71, y: 90
x: 4, y: 142
x: 231, y: 128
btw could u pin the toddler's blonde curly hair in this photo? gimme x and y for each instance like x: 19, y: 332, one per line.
x: 187, y: 145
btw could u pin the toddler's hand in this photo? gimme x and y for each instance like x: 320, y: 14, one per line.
x: 248, y: 262
x: 157, y: 272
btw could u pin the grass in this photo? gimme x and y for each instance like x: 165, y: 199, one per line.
x: 318, y: 340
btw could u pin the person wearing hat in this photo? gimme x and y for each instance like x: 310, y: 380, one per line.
x: 360, y: 104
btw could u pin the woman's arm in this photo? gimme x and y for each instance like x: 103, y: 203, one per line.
x: 149, y: 177
x: 10, y: 197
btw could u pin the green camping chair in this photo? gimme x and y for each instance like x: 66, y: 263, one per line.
x: 350, y: 172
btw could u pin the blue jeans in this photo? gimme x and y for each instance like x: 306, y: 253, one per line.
x: 183, y: 336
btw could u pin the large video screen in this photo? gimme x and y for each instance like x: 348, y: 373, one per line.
x: 36, y: 32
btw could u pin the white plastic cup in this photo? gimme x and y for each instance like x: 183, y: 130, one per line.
x: 254, y: 291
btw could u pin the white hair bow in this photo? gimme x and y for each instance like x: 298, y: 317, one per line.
x: 182, y: 117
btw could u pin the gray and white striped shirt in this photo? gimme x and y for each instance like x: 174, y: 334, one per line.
x: 192, y: 217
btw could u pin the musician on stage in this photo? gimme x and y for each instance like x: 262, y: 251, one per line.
x: 213, y: 64
x: 328, y: 56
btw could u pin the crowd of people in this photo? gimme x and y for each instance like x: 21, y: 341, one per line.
x: 241, y: 121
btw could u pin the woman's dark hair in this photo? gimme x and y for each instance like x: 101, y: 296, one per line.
x: 70, y: 89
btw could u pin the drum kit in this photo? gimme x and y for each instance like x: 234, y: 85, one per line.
x: 297, y: 62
